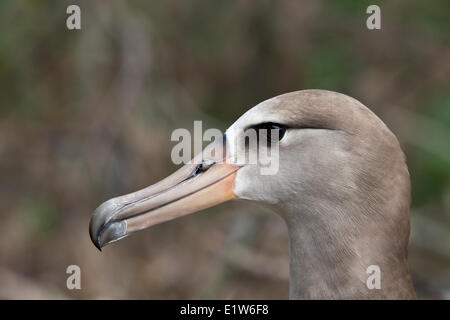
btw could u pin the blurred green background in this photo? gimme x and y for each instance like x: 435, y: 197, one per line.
x: 87, y: 115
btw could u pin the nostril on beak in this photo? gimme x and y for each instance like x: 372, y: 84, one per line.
x: 202, y: 167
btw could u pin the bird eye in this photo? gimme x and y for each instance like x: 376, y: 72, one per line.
x: 272, y: 129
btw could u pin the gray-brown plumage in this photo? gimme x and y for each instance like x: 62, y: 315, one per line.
x: 342, y: 187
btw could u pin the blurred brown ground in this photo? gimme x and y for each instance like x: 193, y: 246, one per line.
x: 87, y: 115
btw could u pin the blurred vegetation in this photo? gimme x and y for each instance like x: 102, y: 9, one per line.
x: 87, y: 115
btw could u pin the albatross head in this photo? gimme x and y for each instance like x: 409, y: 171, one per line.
x: 340, y: 183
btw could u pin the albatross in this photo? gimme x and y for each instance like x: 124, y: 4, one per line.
x: 342, y: 187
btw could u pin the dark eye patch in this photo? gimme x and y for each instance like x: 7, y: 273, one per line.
x: 270, y: 127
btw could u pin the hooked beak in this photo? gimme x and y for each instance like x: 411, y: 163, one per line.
x: 205, y: 181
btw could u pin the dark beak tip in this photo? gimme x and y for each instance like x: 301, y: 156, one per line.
x: 100, y: 221
x: 96, y: 243
x: 104, y: 231
x: 95, y: 240
x: 93, y: 234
